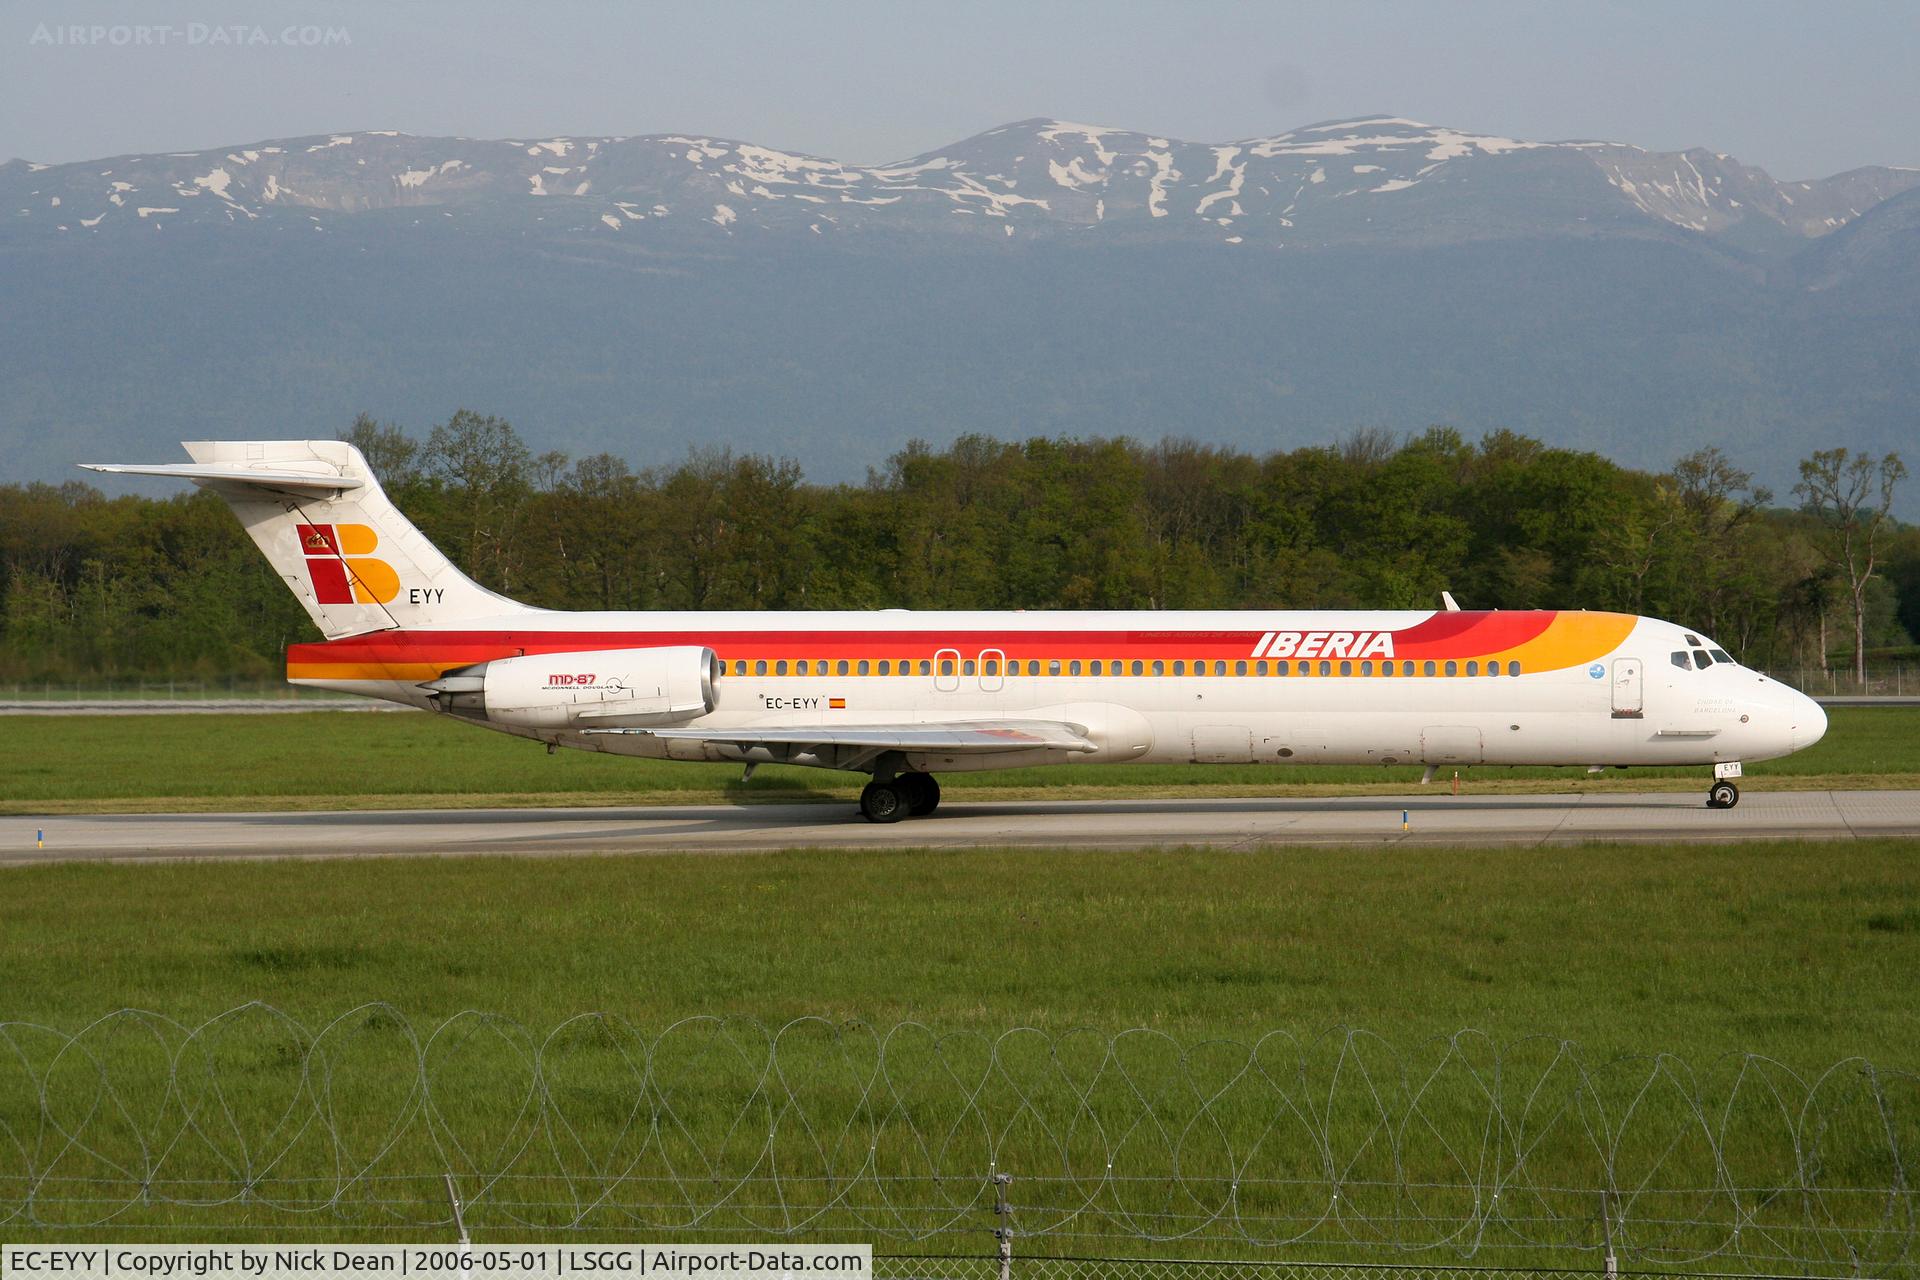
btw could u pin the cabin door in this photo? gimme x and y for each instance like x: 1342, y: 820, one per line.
x: 1629, y: 689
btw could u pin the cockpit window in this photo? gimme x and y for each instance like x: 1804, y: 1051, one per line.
x: 1721, y: 655
x: 1680, y: 660
x: 1693, y: 641
x: 1701, y: 660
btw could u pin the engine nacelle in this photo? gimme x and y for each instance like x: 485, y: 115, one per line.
x: 599, y: 688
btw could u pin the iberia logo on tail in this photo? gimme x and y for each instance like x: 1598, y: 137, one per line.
x: 340, y: 567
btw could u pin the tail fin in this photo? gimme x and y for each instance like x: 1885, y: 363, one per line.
x: 317, y: 512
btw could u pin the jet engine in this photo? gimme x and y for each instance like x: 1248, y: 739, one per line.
x: 599, y: 688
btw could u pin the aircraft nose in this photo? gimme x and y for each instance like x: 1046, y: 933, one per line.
x: 1809, y: 722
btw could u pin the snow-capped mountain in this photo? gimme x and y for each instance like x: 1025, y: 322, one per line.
x: 1346, y: 182
x: 637, y: 294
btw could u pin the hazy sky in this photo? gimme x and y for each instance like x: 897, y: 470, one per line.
x: 1803, y: 90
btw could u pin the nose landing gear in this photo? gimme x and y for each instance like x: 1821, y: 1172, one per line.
x: 1725, y: 792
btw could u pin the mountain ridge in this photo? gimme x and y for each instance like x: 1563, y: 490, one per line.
x: 1042, y: 278
x: 1035, y: 177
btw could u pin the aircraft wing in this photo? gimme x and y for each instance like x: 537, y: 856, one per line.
x: 779, y: 743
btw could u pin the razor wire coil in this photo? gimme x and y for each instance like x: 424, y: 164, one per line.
x: 1455, y: 1151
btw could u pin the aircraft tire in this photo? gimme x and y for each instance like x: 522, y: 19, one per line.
x: 883, y: 802
x: 923, y: 793
x: 1724, y: 795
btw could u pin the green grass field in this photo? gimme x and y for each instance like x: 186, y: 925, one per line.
x: 1803, y: 952
x: 345, y: 759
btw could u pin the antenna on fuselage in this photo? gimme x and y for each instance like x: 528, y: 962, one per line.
x: 1446, y: 598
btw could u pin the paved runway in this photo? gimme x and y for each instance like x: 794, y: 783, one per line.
x: 1223, y: 824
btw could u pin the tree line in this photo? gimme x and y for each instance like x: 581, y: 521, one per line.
x: 98, y: 587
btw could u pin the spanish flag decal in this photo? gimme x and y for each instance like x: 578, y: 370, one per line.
x: 836, y: 704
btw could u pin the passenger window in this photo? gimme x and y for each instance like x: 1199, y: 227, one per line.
x: 760, y: 666
x: 1073, y: 668
x: 862, y: 668
x: 990, y: 667
x: 1513, y: 668
x: 946, y: 666
x: 780, y: 667
x: 1406, y: 669
x: 1701, y: 660
x: 1159, y: 667
x: 884, y: 669
x: 1346, y: 668
x: 1219, y: 666
x: 1386, y: 668
x: 966, y: 668
x: 1279, y: 668
x: 1366, y: 668
x: 739, y: 666
x: 1429, y: 669
x: 1493, y: 668
x: 1179, y: 667
x: 1721, y: 655
x: 1094, y: 667
x: 1473, y: 668
x: 1138, y: 667
x: 1679, y: 659
x: 1260, y: 667
x: 1240, y: 667
x: 1326, y: 668
x: 926, y: 668
x: 1453, y: 668
x: 1306, y: 668
x: 1053, y: 666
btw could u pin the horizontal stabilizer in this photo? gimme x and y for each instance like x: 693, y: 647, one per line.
x: 322, y: 479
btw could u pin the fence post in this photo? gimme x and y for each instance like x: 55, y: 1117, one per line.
x: 459, y: 1219
x: 1612, y: 1262
x: 1004, y: 1232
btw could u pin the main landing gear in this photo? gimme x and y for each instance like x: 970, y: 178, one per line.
x: 907, y: 795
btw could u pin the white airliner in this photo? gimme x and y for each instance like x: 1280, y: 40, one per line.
x: 903, y: 695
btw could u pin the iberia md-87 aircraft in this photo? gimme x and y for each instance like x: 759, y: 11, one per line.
x: 904, y: 695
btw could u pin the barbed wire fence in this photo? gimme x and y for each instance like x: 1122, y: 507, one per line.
x: 1020, y: 1148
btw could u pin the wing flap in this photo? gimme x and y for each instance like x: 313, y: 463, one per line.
x: 956, y: 737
